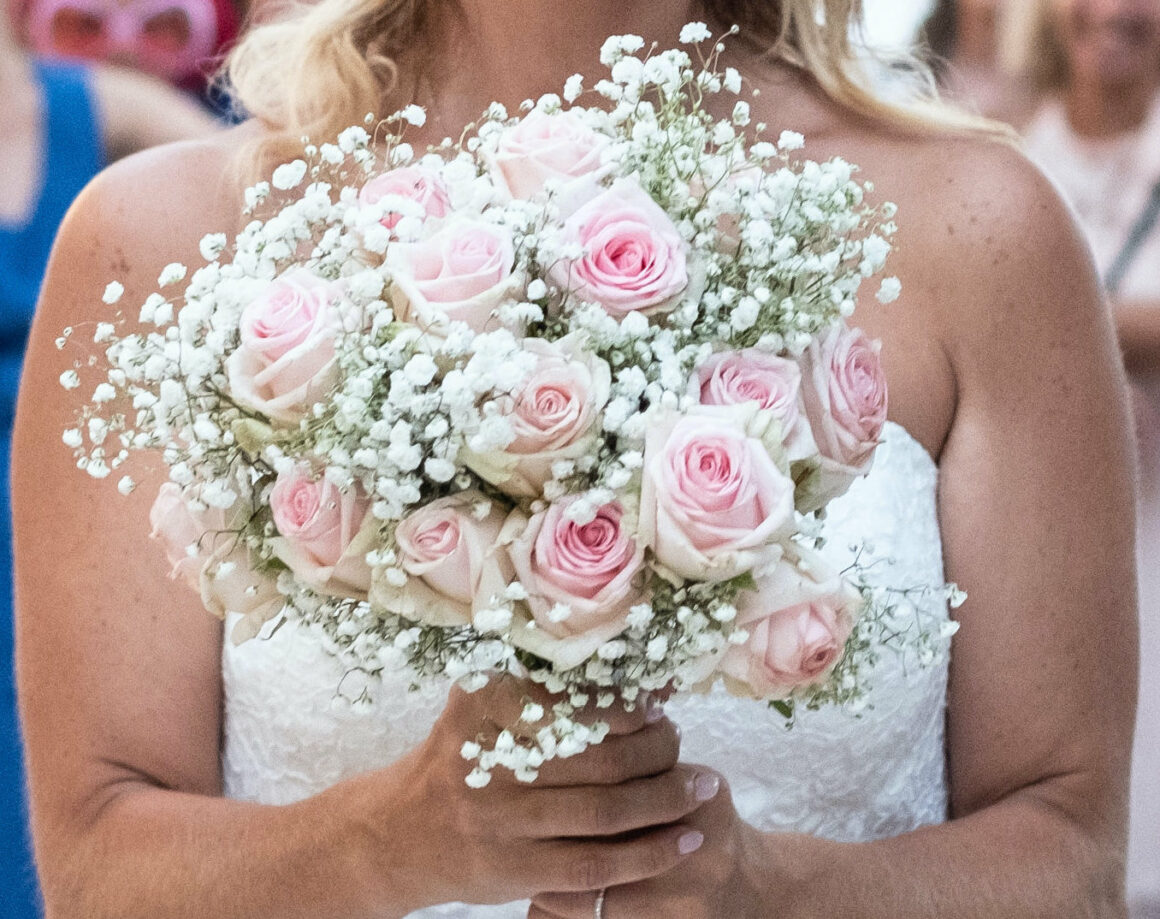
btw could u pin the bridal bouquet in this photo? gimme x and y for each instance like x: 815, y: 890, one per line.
x: 564, y: 399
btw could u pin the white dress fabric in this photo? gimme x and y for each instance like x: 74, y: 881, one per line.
x: 1107, y: 182
x: 839, y: 774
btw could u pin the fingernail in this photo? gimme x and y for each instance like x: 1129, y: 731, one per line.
x: 690, y: 842
x: 705, y: 786
x: 654, y: 710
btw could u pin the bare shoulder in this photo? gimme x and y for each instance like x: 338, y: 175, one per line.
x: 157, y: 204
x: 991, y: 261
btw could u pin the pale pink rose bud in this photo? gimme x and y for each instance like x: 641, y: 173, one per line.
x: 323, y: 533
x: 206, y: 554
x: 187, y: 539
x: 417, y: 184
x: 554, y: 415
x: 773, y: 383
x: 798, y: 623
x: 462, y: 273
x: 443, y: 546
x: 285, y: 360
x: 559, y: 147
x: 712, y: 498
x: 593, y: 571
x: 844, y: 393
x: 634, y: 259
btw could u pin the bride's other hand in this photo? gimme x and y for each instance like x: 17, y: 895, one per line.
x: 717, y: 881
x: 612, y: 815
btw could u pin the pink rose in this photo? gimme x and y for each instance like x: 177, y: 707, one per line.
x: 553, y: 414
x: 712, y: 498
x: 285, y: 360
x: 844, y: 393
x: 581, y: 579
x: 324, y: 533
x: 460, y: 274
x: 774, y: 383
x: 634, y: 258
x: 443, y: 546
x: 421, y: 192
x: 203, y: 549
x: 559, y: 147
x: 798, y: 622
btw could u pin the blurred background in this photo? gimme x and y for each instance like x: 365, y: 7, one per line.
x: 83, y: 82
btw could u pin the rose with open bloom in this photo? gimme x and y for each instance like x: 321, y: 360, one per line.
x: 581, y: 578
x: 633, y: 257
x: 844, y: 393
x: 204, y: 551
x: 553, y: 414
x: 798, y: 620
x: 542, y: 147
x: 772, y: 382
x: 285, y: 359
x: 443, y: 547
x: 712, y: 499
x: 461, y: 273
x: 420, y: 192
x: 324, y: 533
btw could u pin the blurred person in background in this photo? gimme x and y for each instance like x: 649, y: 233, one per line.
x: 179, y: 41
x: 62, y: 123
x: 1097, y: 135
x: 962, y: 41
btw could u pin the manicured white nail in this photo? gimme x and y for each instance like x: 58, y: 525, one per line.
x: 690, y: 842
x: 706, y: 785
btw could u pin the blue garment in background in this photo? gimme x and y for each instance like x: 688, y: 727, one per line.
x: 71, y: 154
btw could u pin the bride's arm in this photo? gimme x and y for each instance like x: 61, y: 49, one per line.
x: 1037, y: 513
x: 1037, y: 518
x: 120, y: 678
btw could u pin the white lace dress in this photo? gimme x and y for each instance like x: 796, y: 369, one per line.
x: 843, y: 775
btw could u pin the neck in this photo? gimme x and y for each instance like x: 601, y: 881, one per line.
x: 1100, y: 110
x: 511, y: 50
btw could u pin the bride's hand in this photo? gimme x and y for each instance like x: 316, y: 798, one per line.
x: 713, y: 883
x: 610, y: 816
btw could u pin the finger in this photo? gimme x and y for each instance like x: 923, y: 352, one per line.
x: 535, y: 912
x: 622, y: 718
x: 610, y: 810
x: 650, y: 751
x: 571, y: 866
x: 572, y: 905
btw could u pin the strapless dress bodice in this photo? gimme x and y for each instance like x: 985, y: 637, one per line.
x: 290, y: 730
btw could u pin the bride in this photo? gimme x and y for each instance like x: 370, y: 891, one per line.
x: 174, y: 774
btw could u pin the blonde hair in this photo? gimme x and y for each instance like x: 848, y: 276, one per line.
x: 324, y: 65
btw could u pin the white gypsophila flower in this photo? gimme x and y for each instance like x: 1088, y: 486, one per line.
x: 172, y: 273
x: 573, y: 87
x: 72, y: 437
x: 414, y: 115
x: 70, y: 379
x: 126, y: 485
x: 889, y: 290
x: 289, y: 175
x: 212, y: 245
x: 790, y: 140
x: 694, y: 32
x: 104, y: 393
x: 113, y: 292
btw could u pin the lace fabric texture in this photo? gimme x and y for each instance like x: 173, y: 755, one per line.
x: 849, y: 776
